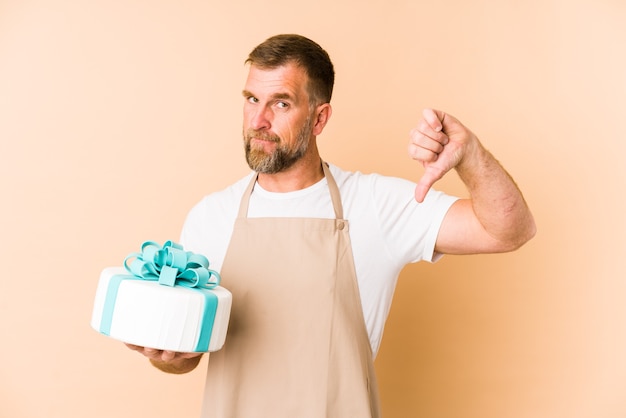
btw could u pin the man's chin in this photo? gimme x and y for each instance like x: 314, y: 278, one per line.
x: 258, y: 160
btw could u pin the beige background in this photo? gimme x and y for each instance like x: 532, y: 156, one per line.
x: 117, y: 116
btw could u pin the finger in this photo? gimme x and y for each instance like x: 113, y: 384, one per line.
x: 168, y: 355
x: 434, y: 119
x: 423, y: 132
x: 420, y: 192
x: 426, y: 149
x: 134, y: 347
x: 424, y: 128
x: 422, y: 154
x: 431, y: 144
x: 429, y: 178
x: 152, y: 353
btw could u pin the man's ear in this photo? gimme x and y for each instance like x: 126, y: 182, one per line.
x: 322, y: 114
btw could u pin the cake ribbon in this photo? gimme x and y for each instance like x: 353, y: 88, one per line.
x: 169, y: 265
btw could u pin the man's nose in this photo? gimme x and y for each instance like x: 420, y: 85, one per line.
x: 261, y: 119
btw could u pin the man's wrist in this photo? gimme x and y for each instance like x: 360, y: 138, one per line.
x: 474, y: 157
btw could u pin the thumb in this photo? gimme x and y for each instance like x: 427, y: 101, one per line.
x: 429, y: 178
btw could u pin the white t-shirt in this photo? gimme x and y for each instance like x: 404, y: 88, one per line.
x: 388, y: 228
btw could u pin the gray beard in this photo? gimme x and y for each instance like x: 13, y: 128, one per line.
x: 282, y: 157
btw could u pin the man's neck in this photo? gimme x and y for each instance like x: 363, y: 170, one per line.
x: 304, y: 173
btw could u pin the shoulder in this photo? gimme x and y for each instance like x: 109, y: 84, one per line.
x: 371, y: 185
x: 389, y: 199
x: 222, y: 202
x: 208, y: 224
x: 227, y: 195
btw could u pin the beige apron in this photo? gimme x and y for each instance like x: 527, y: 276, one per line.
x: 296, y: 345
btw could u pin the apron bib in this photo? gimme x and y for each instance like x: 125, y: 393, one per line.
x: 297, y: 345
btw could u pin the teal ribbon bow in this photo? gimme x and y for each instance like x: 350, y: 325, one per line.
x: 170, y: 265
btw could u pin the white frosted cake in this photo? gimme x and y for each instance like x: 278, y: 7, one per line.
x: 149, y: 314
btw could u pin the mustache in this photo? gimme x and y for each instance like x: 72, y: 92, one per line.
x: 263, y: 135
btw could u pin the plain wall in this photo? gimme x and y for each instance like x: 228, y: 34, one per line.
x: 117, y: 116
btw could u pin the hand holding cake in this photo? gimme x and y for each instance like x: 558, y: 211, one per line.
x: 169, y: 361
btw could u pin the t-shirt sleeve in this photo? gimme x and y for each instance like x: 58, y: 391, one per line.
x: 441, y: 204
x: 410, y: 228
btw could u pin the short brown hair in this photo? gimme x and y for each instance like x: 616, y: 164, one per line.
x: 280, y: 50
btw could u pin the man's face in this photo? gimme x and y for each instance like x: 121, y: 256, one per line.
x: 277, y: 118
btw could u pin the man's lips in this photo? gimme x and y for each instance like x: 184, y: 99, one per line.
x: 262, y: 143
x: 262, y: 136
x: 261, y: 139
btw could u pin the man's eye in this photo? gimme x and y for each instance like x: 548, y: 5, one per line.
x: 282, y: 105
x: 252, y: 99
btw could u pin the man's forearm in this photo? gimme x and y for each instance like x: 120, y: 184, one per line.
x: 496, y: 200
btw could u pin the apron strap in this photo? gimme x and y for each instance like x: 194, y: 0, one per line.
x: 335, y: 197
x: 245, y: 199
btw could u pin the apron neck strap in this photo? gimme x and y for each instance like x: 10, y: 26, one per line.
x: 332, y: 187
x: 335, y: 197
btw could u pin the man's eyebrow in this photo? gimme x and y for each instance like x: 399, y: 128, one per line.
x: 276, y: 96
x: 280, y: 96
